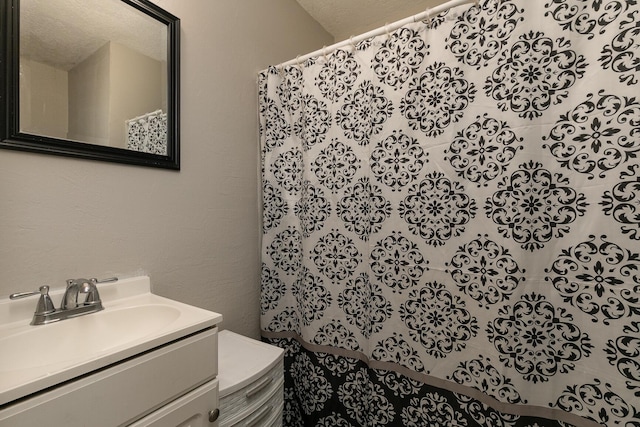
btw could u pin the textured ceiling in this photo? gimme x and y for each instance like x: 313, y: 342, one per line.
x: 62, y: 33
x: 346, y: 18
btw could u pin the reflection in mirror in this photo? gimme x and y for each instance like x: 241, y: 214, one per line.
x: 95, y: 73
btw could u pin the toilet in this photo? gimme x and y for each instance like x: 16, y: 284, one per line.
x: 251, y: 375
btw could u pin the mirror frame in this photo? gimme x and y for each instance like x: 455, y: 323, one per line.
x: 12, y: 138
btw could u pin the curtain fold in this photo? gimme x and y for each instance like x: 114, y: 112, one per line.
x: 451, y: 219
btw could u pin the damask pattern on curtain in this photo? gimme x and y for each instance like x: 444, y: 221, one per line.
x: 451, y: 217
x: 148, y: 133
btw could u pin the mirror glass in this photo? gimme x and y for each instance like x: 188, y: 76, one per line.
x: 95, y: 78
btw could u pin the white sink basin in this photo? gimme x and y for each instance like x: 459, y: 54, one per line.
x: 134, y: 320
x: 82, y: 337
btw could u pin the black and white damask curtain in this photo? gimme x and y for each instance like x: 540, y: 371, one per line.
x: 452, y: 221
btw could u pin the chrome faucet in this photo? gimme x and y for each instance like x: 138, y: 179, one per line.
x: 69, y: 307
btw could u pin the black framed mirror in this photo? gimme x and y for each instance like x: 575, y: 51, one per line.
x: 92, y: 79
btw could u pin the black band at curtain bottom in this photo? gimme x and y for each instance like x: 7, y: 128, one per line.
x: 535, y: 415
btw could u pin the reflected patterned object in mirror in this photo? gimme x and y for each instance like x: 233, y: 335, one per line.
x: 148, y: 133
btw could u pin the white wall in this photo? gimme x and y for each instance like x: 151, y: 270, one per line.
x: 43, y: 99
x: 136, y: 89
x: 90, y: 98
x: 195, y: 232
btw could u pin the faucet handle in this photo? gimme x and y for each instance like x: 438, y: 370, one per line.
x: 110, y: 279
x: 19, y: 295
x: 93, y: 296
x: 45, y: 305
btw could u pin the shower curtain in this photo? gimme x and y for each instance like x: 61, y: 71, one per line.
x: 451, y: 221
x: 148, y: 133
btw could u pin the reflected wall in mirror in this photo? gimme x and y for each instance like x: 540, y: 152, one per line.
x: 92, y: 78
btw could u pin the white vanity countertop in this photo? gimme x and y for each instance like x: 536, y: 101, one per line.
x: 134, y: 320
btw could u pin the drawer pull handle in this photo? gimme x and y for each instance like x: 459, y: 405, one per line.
x: 260, y: 416
x: 213, y: 415
x: 256, y: 389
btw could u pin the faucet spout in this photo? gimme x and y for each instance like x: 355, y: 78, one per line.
x: 80, y: 286
x: 70, y: 297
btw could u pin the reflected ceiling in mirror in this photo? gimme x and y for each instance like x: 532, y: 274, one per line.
x: 93, y: 78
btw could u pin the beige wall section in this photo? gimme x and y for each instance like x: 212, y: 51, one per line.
x: 135, y: 89
x: 89, y: 98
x: 194, y: 232
x: 43, y: 99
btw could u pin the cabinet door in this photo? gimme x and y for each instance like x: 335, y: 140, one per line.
x: 194, y: 409
x: 117, y: 395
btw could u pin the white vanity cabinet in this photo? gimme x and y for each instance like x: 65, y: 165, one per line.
x: 174, y: 384
x: 144, y: 361
x: 251, y: 382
